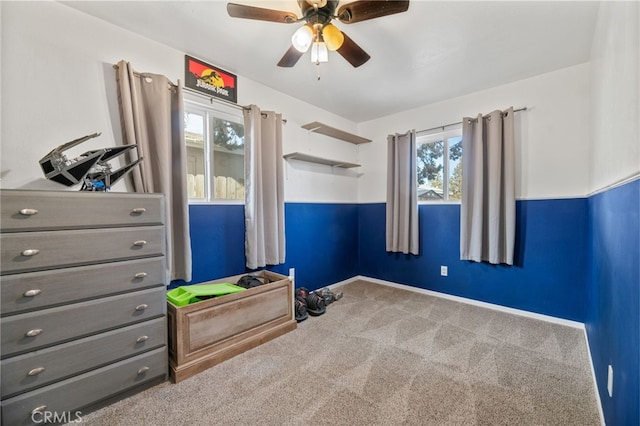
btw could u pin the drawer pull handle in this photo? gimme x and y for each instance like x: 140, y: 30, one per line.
x: 142, y: 307
x: 32, y: 293
x: 39, y: 409
x: 28, y: 212
x: 140, y: 243
x: 30, y: 252
x: 142, y: 339
x: 140, y: 275
x: 139, y: 210
x: 35, y: 371
x: 34, y: 332
x: 143, y: 370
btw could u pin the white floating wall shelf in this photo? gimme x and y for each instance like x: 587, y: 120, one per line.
x: 319, y: 160
x: 323, y: 129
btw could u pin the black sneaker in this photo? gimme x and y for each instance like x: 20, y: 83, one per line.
x: 300, y: 304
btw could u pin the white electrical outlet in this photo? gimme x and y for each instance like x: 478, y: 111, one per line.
x: 610, y: 381
x: 292, y: 275
x: 444, y: 271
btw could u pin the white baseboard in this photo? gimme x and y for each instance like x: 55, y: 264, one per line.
x: 548, y: 318
x: 593, y: 377
x: 347, y: 281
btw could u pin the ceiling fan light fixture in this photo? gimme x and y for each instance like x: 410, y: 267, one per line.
x: 318, y: 30
x: 333, y: 37
x: 317, y: 3
x: 302, y: 38
x: 319, y: 52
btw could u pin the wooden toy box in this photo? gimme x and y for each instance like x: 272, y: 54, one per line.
x: 206, y: 333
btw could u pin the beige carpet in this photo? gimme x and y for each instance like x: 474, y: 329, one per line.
x: 384, y: 356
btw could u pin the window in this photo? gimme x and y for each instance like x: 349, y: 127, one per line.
x: 215, y: 152
x: 439, y: 166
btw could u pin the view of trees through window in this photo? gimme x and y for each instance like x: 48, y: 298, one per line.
x: 215, y: 154
x: 228, y: 135
x: 439, y: 167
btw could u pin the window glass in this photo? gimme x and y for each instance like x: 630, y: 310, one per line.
x: 439, y: 166
x: 430, y: 164
x: 194, y: 136
x: 455, y: 168
x: 228, y: 158
x: 215, y: 152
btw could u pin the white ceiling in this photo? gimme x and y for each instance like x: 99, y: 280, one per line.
x: 434, y: 51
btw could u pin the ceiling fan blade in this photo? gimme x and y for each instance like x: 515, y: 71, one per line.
x: 250, y: 12
x: 352, y: 52
x: 290, y: 58
x: 370, y: 9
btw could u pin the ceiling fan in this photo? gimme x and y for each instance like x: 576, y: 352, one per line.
x: 318, y: 33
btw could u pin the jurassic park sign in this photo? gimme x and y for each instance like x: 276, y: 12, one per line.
x: 210, y: 80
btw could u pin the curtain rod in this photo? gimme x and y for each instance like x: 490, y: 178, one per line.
x: 231, y: 104
x: 137, y: 74
x: 211, y: 98
x: 459, y: 122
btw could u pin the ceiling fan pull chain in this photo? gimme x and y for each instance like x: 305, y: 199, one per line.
x: 318, y: 70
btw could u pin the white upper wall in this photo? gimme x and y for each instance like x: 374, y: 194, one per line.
x: 58, y: 84
x: 615, y: 59
x: 552, y: 135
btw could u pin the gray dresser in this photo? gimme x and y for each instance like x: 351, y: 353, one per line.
x: 83, y: 308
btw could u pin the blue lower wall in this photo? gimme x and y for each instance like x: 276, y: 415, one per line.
x: 321, y: 242
x: 217, y: 241
x: 550, y: 275
x: 328, y: 243
x: 576, y: 259
x: 613, y: 322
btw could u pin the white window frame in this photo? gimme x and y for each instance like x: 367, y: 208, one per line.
x: 226, y: 112
x: 445, y: 136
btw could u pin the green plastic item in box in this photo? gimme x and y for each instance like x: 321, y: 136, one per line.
x: 187, y: 294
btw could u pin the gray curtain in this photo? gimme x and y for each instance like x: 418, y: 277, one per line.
x: 402, y: 194
x: 488, y: 210
x: 264, y: 188
x: 152, y: 115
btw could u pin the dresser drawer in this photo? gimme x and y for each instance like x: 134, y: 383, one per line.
x: 68, y: 396
x: 38, y: 290
x: 29, y: 331
x: 36, y: 369
x: 30, y: 251
x: 40, y: 210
